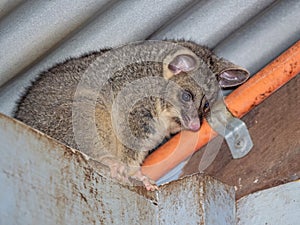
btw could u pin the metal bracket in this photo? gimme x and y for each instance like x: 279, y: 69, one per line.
x: 231, y: 128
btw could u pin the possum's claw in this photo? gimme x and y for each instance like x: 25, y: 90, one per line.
x: 148, y: 183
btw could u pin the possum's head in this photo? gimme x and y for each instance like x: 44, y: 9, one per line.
x: 189, y: 101
x: 184, y: 107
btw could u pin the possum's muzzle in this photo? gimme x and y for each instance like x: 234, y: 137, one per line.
x: 191, y: 123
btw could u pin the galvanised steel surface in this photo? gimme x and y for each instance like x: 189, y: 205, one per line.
x: 278, y: 205
x: 45, y: 182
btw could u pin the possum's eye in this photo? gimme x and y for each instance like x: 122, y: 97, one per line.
x: 206, y: 107
x: 186, y: 96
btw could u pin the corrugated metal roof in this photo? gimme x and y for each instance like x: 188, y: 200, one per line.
x: 37, y: 34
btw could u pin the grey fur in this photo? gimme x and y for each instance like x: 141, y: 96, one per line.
x: 47, y: 105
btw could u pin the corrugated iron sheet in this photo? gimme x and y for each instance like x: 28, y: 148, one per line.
x: 34, y: 35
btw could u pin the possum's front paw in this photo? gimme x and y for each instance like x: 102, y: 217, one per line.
x: 122, y: 173
x: 148, y: 183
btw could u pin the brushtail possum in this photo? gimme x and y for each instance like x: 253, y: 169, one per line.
x: 151, y: 90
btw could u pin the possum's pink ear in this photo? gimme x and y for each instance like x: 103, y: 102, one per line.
x: 182, y: 63
x: 232, y: 77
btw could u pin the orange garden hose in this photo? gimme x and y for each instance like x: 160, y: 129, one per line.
x: 239, y: 102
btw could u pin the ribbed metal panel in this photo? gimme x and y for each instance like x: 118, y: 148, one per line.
x: 264, y: 37
x: 34, y: 35
x: 208, y: 22
x: 35, y: 27
x: 7, y: 5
